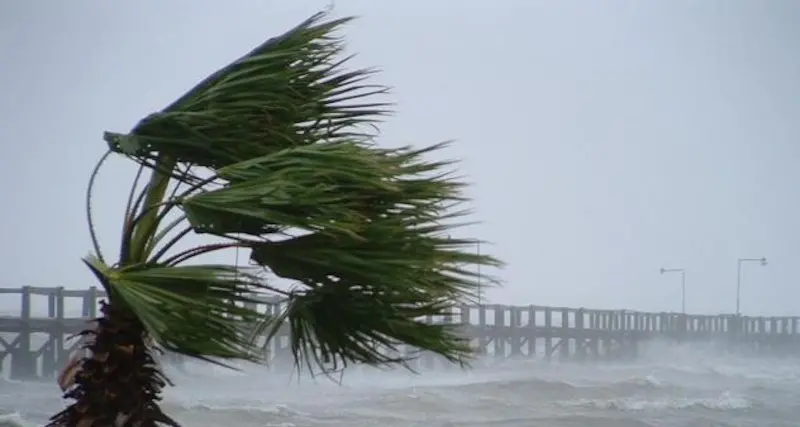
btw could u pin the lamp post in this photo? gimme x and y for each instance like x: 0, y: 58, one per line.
x: 762, y: 261
x: 683, y: 284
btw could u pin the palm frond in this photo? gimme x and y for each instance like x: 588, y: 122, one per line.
x: 335, y: 326
x: 274, y: 154
x: 277, y: 155
x: 202, y: 311
x: 290, y: 91
x: 329, y: 186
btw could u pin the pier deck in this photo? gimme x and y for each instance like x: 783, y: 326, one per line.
x: 35, y: 343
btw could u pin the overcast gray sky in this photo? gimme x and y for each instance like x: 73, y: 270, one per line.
x: 605, y: 139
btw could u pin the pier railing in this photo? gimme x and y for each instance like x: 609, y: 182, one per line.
x: 35, y: 337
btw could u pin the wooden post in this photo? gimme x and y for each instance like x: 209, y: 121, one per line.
x: 564, y: 341
x: 48, y: 352
x: 483, y: 338
x: 55, y: 339
x: 580, y: 337
x: 596, y: 340
x: 465, y: 325
x: 499, y: 332
x: 548, y: 337
x: 532, y: 335
x: 89, y: 306
x: 23, y: 364
x: 466, y: 315
x: 61, y: 353
x: 515, y: 331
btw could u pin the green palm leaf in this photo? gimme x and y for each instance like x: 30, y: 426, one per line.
x: 293, y: 176
x: 290, y: 91
x: 274, y: 156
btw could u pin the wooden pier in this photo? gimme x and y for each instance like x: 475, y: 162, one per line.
x: 34, y: 343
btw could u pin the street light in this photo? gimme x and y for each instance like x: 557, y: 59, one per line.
x: 762, y: 261
x: 683, y: 284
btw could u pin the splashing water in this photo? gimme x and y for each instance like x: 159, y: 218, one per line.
x: 669, y: 386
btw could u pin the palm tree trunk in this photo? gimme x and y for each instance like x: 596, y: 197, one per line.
x: 118, y: 383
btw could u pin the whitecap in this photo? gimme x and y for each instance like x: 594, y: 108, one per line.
x: 724, y: 402
x: 14, y: 419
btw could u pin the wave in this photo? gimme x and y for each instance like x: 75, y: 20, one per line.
x: 242, y: 414
x: 519, y: 385
x: 554, y: 388
x: 553, y: 421
x: 514, y: 393
x: 280, y: 410
x: 14, y: 419
x: 561, y: 421
x: 726, y: 401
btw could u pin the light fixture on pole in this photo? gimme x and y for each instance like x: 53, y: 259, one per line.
x: 683, y: 284
x: 762, y: 261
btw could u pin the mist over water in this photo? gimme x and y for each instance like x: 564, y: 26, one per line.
x: 667, y: 386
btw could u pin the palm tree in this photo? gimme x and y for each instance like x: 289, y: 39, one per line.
x: 273, y: 155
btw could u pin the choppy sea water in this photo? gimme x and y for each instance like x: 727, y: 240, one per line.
x: 667, y: 386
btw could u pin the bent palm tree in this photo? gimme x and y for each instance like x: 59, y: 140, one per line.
x: 271, y: 155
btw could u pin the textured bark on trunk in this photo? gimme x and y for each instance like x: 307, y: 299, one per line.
x: 118, y: 383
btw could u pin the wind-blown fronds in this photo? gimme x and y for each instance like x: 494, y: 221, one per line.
x: 274, y: 155
x: 284, y: 133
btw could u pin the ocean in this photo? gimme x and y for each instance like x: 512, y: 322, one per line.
x: 667, y: 386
